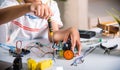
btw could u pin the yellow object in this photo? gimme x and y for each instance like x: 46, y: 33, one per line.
x: 61, y: 53
x: 42, y: 65
x: 31, y: 64
x: 51, y: 33
x: 19, y: 1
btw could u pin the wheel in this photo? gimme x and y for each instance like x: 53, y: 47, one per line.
x: 68, y: 54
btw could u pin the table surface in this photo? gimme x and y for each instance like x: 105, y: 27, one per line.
x: 97, y: 60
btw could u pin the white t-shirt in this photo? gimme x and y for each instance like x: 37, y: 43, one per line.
x: 29, y: 26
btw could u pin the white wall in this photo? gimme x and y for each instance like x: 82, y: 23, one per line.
x: 99, y: 7
x: 74, y: 13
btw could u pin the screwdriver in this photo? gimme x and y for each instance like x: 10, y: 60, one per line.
x: 50, y: 27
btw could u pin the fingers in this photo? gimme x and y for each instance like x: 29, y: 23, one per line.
x: 37, y: 11
x: 73, y: 42
x: 78, y: 43
x: 66, y: 37
x: 41, y: 10
x: 47, y: 12
x: 78, y: 47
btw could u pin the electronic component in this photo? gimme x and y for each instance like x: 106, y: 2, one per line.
x: 86, y: 34
x: 17, y: 63
x: 68, y: 53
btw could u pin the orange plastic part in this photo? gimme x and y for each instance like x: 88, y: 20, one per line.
x: 68, y: 54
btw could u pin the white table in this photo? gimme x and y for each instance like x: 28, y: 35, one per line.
x: 94, y: 61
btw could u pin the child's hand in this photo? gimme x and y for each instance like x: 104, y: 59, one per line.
x: 41, y: 10
x: 70, y: 33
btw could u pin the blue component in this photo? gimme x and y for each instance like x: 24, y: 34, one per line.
x: 12, y: 48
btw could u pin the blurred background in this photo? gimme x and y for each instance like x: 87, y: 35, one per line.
x: 83, y: 14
